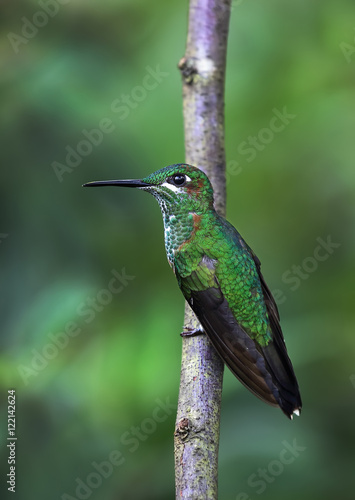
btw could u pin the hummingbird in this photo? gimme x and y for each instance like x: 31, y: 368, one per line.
x: 220, y: 278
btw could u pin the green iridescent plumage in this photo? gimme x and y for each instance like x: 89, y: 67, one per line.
x: 219, y: 276
x: 234, y: 271
x: 214, y: 237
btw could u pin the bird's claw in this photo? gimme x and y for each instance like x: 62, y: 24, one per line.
x: 191, y: 332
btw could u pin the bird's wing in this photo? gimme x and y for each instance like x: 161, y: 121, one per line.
x: 276, y: 353
x: 265, y: 371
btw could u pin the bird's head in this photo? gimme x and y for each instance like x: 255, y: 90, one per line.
x: 176, y: 187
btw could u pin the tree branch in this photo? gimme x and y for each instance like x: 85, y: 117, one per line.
x: 198, y: 416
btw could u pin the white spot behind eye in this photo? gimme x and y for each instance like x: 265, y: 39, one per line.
x: 173, y: 188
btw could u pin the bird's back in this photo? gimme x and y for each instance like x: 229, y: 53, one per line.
x: 220, y: 278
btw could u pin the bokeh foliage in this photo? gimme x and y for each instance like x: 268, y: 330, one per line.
x: 60, y: 243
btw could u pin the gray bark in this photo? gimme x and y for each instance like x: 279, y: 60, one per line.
x: 198, y: 416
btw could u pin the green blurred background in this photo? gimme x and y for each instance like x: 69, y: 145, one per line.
x: 117, y: 360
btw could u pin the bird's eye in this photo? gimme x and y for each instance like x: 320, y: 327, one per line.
x: 178, y: 180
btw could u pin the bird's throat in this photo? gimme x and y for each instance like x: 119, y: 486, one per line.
x: 179, y: 230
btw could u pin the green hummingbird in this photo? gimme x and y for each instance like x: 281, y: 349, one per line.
x: 220, y: 278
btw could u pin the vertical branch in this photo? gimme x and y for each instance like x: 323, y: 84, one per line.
x: 198, y: 416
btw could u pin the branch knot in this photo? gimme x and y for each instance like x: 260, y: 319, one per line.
x: 182, y: 429
x: 188, y: 69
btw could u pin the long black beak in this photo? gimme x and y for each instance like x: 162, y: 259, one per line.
x: 134, y: 183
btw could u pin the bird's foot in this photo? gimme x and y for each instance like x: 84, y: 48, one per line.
x: 191, y: 332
